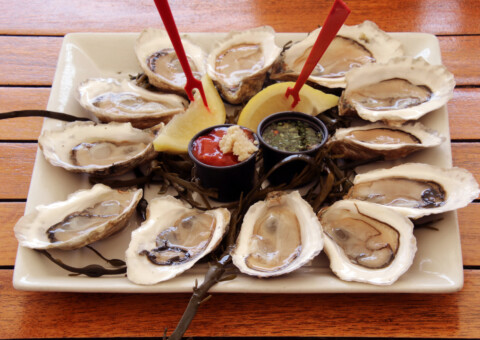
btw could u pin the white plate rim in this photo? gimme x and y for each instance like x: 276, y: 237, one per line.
x: 33, y: 272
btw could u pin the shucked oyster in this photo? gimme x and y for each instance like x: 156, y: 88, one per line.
x: 366, y: 242
x: 172, y: 239
x: 352, y: 47
x: 239, y: 64
x: 85, y: 217
x: 97, y: 149
x: 368, y: 141
x: 397, y: 91
x: 160, y: 63
x: 114, y: 100
x: 416, y: 189
x: 278, y: 235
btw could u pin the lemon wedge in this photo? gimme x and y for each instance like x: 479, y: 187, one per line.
x: 272, y: 100
x: 178, y: 132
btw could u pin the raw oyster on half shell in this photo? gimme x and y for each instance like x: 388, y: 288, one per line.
x: 160, y: 63
x: 97, y: 149
x: 278, y: 236
x: 85, y: 217
x: 368, y: 141
x: 416, y: 189
x: 112, y: 100
x: 366, y: 242
x: 239, y: 64
x: 352, y: 47
x: 397, y: 91
x: 172, y: 239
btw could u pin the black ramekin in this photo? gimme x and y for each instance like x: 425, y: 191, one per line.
x: 272, y: 156
x: 231, y: 180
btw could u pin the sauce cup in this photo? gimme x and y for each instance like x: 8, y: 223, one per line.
x: 229, y: 180
x: 273, y: 154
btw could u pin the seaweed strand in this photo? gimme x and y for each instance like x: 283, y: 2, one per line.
x: 42, y: 113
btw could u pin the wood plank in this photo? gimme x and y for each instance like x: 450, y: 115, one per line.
x: 463, y: 109
x: 468, y: 219
x: 13, y: 99
x: 21, y: 64
x: 16, y: 166
x: 464, y: 113
x: 55, y: 315
x: 467, y: 156
x: 9, y: 215
x: 54, y: 18
x: 17, y: 159
x: 460, y: 56
x: 469, y: 223
x: 28, y: 61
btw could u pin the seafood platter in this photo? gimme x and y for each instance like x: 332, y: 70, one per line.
x: 393, y: 89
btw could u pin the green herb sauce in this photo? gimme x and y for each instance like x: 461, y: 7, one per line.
x: 292, y: 136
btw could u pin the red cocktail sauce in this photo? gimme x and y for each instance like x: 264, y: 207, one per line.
x: 207, y: 149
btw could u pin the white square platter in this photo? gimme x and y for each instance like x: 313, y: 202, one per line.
x: 437, y: 266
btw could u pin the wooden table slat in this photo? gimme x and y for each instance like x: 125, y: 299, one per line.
x: 322, y: 315
x: 17, y: 159
x: 32, y: 60
x: 16, y: 166
x: 53, y: 17
x: 30, y: 39
x: 463, y: 110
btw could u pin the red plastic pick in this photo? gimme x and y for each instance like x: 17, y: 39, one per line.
x: 192, y: 83
x: 335, y: 19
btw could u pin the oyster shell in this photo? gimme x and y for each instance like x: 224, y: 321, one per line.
x: 97, y: 149
x: 239, y: 64
x: 85, y: 217
x: 172, y: 239
x: 277, y: 236
x: 416, y: 189
x: 366, y: 242
x: 397, y: 91
x: 159, y: 61
x: 352, y: 47
x: 367, y: 141
x: 122, y: 101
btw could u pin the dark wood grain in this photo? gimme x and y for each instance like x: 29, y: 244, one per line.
x: 53, y: 17
x: 268, y: 315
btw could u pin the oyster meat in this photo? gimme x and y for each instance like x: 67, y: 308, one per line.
x: 416, y: 189
x: 85, y: 217
x: 239, y: 64
x: 378, y: 139
x: 352, y: 47
x: 397, y: 91
x: 172, y: 239
x: 112, y: 100
x: 278, y: 236
x: 97, y: 149
x: 366, y: 242
x: 160, y: 63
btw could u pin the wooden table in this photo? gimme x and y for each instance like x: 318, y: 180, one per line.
x: 30, y: 38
